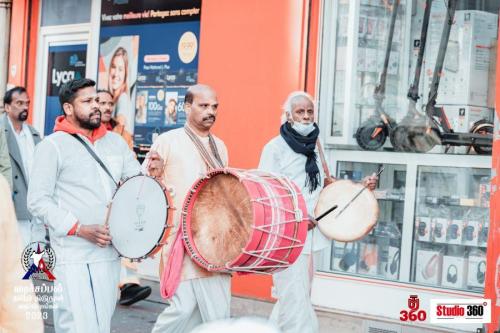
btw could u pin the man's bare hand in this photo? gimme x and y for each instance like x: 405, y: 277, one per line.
x: 96, y: 233
x: 370, y: 181
x: 312, y: 223
x: 156, y: 164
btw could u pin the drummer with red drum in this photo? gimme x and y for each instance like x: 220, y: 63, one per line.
x: 295, y: 154
x: 195, y: 295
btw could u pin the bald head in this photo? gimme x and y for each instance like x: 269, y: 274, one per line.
x: 201, y: 106
x: 198, y: 89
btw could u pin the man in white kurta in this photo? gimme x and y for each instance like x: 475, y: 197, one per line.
x: 293, y: 311
x: 201, y: 295
x: 70, y: 192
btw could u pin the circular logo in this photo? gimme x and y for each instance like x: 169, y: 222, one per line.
x: 160, y: 95
x: 39, y: 259
x: 188, y: 46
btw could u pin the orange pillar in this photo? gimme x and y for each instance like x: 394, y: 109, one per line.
x: 254, y: 54
x: 23, y: 45
x: 492, y: 282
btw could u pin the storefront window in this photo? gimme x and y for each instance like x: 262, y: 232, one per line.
x: 59, y: 12
x: 451, y: 227
x: 378, y: 253
x: 430, y: 126
x: 375, y: 55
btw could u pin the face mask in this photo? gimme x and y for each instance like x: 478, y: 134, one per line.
x: 303, y: 129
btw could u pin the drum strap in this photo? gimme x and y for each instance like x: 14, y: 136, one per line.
x: 213, y: 160
x: 323, y: 160
x: 94, y: 155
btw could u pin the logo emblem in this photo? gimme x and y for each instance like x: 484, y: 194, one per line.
x: 38, y: 260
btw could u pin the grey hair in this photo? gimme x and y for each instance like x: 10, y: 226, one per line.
x: 290, y: 101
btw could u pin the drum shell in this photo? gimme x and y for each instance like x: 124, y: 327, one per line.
x: 262, y: 219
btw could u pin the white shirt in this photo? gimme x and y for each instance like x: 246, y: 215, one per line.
x: 26, y: 146
x: 277, y: 157
x: 68, y: 185
x: 183, y: 166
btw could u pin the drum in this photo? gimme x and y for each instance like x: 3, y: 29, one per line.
x: 352, y: 219
x: 139, y: 217
x: 245, y: 221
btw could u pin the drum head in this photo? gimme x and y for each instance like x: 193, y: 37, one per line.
x: 222, y: 219
x: 354, y: 222
x: 138, y: 216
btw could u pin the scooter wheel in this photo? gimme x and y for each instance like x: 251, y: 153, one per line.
x: 482, y: 127
x: 371, y: 137
x: 399, y: 139
x: 422, y: 141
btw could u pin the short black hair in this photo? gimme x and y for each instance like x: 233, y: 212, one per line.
x: 68, y: 90
x: 106, y: 91
x: 189, y: 97
x: 7, y: 98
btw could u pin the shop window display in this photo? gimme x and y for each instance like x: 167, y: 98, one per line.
x: 451, y: 227
x: 406, y: 80
x: 433, y: 197
x: 378, y: 253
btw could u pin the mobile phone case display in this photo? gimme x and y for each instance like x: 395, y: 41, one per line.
x: 378, y: 253
x: 369, y: 42
x: 451, y: 227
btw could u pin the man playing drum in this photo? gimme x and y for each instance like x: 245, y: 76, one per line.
x: 189, y: 153
x: 70, y: 190
x: 294, y: 154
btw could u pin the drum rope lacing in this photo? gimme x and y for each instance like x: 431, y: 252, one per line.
x: 271, y: 229
x: 276, y: 210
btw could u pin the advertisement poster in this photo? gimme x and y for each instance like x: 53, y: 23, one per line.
x: 65, y: 63
x: 148, y: 57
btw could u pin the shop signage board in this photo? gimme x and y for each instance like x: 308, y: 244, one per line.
x: 65, y: 62
x: 148, y: 57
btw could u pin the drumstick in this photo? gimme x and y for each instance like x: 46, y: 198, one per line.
x: 326, y: 213
x: 142, y: 183
x: 358, y: 194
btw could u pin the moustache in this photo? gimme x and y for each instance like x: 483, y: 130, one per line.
x: 23, y: 116
x: 95, y: 113
x: 209, y: 117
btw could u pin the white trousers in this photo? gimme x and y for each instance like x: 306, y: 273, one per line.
x: 196, y: 301
x: 293, y: 312
x: 31, y: 232
x: 88, y: 297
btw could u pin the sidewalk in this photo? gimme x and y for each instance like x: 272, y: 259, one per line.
x: 140, y: 317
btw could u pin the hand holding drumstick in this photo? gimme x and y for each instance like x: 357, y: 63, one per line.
x: 156, y: 165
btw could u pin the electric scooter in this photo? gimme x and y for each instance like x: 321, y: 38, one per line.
x: 420, y: 133
x: 372, y: 134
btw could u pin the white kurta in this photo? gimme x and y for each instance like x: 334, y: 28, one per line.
x: 68, y: 185
x: 294, y: 312
x: 201, y: 296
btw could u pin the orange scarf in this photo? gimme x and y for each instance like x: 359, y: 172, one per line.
x: 63, y: 125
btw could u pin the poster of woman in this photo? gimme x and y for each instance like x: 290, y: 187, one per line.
x: 118, y: 73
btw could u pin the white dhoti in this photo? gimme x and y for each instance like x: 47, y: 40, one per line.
x: 293, y: 312
x: 88, y: 297
x: 196, y: 301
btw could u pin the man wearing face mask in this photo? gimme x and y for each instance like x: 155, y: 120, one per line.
x: 295, y: 154
x: 21, y: 140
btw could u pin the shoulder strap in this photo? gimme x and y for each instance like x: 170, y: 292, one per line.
x: 323, y: 160
x: 94, y: 155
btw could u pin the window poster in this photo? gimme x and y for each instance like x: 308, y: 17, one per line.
x: 148, y: 57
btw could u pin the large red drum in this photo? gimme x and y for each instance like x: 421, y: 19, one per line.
x: 245, y: 221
